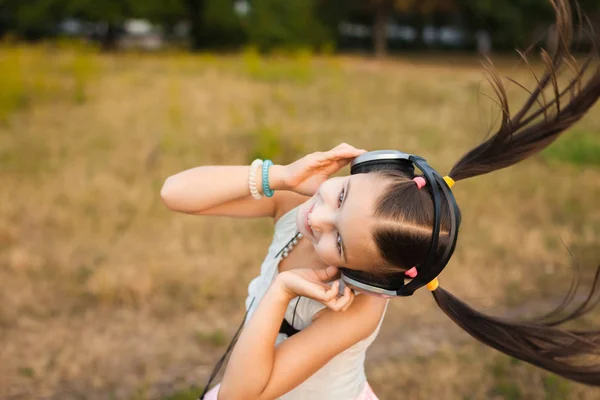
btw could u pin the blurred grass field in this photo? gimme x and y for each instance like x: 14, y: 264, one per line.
x: 104, y: 294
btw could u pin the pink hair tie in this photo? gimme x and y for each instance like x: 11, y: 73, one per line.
x: 411, y: 272
x: 420, y: 181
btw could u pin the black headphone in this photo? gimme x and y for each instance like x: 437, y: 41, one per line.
x: 395, y: 285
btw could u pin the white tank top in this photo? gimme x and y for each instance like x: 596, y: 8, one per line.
x: 343, y: 377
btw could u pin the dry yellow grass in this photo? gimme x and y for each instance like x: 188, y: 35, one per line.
x: 105, y: 294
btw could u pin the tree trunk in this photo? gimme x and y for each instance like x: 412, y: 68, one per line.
x: 380, y: 30
x: 419, y: 22
x: 109, y: 39
x: 195, y: 9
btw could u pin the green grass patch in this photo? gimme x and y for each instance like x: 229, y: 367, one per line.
x: 579, y: 148
x: 25, y: 156
x: 270, y: 142
x: 288, y: 67
x: 13, y: 95
x: 267, y: 143
x: 504, y: 385
x: 556, y: 388
x: 507, y: 390
x: 26, y: 372
x: 215, y: 338
x: 82, y: 69
x: 32, y: 74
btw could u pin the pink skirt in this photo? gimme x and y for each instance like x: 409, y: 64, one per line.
x: 366, y: 394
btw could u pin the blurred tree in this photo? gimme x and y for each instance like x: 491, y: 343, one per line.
x: 382, y: 10
x: 214, y: 24
x: 194, y: 14
x: 288, y: 24
x: 110, y: 12
x: 166, y: 13
x: 114, y: 12
x: 517, y: 23
x: 510, y: 22
x: 33, y: 19
x: 331, y: 13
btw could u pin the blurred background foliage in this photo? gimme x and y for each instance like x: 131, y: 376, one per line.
x: 377, y: 26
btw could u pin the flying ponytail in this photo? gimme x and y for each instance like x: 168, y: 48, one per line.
x: 568, y: 353
x: 572, y: 354
x: 539, y: 121
x: 413, y: 206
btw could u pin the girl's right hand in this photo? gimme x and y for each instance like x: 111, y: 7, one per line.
x: 313, y: 283
x: 308, y: 173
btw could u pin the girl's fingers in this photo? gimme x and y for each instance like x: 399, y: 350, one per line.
x: 313, y: 284
x: 340, y: 146
x: 346, y: 299
x: 341, y: 303
x: 350, y: 298
x: 343, y: 153
x: 343, y: 162
x: 331, y: 293
x: 344, y: 146
x: 339, y: 152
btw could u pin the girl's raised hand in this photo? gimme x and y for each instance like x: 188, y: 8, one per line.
x: 305, y: 175
x: 312, y: 283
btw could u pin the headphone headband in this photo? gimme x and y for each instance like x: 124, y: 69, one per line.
x: 380, y: 155
x: 432, y: 265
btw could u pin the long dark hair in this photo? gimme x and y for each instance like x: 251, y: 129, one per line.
x: 406, y: 213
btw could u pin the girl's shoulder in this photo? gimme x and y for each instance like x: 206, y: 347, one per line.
x: 304, y: 311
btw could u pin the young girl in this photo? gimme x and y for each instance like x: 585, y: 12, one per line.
x: 306, y: 330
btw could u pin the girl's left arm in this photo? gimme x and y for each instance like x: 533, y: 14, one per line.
x: 258, y: 370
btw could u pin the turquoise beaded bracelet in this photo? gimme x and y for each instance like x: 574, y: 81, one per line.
x: 265, y: 178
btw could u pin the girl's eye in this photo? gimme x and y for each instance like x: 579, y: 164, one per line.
x: 341, y: 198
x: 339, y: 238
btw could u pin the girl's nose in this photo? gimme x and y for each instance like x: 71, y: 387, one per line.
x: 321, y: 218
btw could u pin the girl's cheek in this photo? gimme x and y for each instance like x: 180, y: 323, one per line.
x: 324, y: 254
x: 328, y: 260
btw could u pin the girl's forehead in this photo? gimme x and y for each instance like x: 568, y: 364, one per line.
x: 356, y: 220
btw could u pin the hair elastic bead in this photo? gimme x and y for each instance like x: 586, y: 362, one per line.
x: 449, y: 181
x: 420, y: 181
x: 411, y: 272
x: 433, y: 285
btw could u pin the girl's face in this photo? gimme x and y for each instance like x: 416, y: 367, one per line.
x: 338, y: 220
